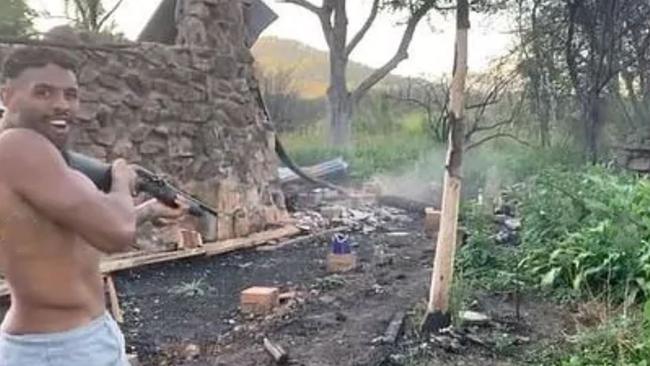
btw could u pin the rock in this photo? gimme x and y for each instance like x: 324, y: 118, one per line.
x: 191, y: 351
x: 331, y: 212
x: 133, y: 359
x: 105, y: 136
x: 327, y: 299
x: 398, y: 359
x: 512, y: 224
x: 473, y: 318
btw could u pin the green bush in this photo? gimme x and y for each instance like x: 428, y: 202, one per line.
x: 480, y: 260
x: 587, y: 233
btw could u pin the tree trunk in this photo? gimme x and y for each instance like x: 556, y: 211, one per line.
x: 339, y: 98
x: 339, y: 104
x: 438, y: 315
x: 592, y: 122
x: 544, y: 124
x: 334, y: 22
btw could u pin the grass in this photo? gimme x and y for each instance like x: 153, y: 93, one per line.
x: 370, y: 153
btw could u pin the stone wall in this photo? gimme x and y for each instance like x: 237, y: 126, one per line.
x: 189, y: 112
x: 634, y: 154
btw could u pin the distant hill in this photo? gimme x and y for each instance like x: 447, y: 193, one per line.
x: 310, y: 65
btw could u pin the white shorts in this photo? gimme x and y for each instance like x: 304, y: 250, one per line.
x: 99, y: 343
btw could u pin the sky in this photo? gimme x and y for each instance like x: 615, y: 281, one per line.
x: 430, y: 53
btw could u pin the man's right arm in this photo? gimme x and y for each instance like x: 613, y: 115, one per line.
x: 36, y: 170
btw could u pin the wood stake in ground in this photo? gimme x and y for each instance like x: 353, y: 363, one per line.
x: 115, y: 303
x: 437, y: 315
x: 278, y: 353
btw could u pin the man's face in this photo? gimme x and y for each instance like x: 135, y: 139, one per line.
x: 43, y: 99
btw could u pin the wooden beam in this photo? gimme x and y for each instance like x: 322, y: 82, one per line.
x: 128, y: 263
x: 251, y: 241
x: 280, y: 356
x: 113, y: 300
x: 314, y: 236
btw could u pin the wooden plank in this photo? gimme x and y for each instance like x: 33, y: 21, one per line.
x: 114, y: 301
x: 135, y: 253
x: 280, y: 356
x: 394, y: 328
x: 324, y: 234
x: 251, y: 241
x: 119, y: 265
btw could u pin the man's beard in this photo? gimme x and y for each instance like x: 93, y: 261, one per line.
x: 43, y: 125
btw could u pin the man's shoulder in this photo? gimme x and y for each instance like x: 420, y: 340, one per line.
x: 23, y: 142
x: 25, y: 151
x: 12, y: 135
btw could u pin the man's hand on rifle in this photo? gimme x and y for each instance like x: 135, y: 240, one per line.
x: 160, y: 214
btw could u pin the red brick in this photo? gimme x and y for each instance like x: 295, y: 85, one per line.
x: 259, y: 300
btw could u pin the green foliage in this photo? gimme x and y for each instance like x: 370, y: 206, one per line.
x: 371, y: 153
x: 587, y: 233
x: 480, y: 260
x: 16, y: 18
x: 620, y: 341
x: 524, y: 162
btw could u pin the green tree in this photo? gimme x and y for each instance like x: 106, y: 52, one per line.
x: 16, y: 18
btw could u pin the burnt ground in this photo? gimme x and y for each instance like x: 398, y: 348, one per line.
x: 186, y: 313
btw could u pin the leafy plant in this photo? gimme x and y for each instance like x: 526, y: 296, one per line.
x: 189, y: 289
x: 588, y: 233
x: 480, y: 259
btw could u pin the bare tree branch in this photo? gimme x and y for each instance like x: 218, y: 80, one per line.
x: 411, y: 100
x: 106, y: 16
x: 362, y: 32
x: 305, y: 4
x: 493, y: 126
x: 492, y: 137
x: 400, y: 55
x: 482, y: 104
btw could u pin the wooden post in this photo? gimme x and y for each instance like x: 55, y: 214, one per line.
x: 115, y: 304
x: 437, y: 316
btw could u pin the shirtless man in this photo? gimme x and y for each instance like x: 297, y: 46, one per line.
x: 54, y: 223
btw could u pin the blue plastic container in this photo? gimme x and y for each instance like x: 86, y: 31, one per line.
x: 340, y: 244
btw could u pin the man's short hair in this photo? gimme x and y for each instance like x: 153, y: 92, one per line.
x: 27, y: 57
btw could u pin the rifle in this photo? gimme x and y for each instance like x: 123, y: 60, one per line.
x: 101, y: 175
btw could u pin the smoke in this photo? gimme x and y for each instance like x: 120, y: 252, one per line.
x: 484, y: 172
x: 419, y: 181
